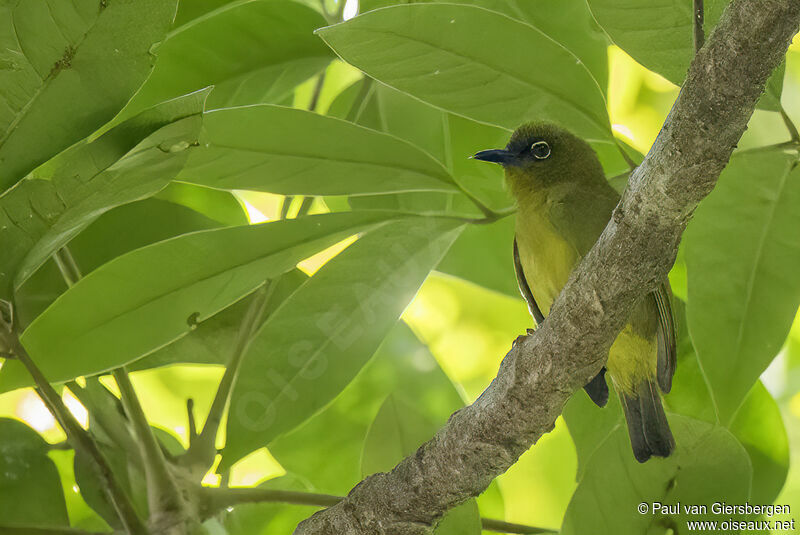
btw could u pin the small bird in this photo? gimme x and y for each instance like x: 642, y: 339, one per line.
x: 564, y: 203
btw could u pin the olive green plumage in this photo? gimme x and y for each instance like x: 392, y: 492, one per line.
x: 564, y: 203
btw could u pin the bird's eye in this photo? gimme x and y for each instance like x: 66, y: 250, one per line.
x: 540, y: 150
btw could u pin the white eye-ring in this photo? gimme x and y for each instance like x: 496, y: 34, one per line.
x: 540, y: 150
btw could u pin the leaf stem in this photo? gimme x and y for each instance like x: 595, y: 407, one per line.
x: 203, y: 450
x: 305, y: 206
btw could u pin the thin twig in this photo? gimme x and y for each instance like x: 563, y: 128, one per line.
x: 163, y: 495
x: 305, y: 206
x: 790, y: 126
x: 500, y: 526
x: 203, y: 450
x: 285, y: 205
x: 312, y: 106
x: 191, y: 420
x: 697, y: 24
x: 82, y: 441
x: 47, y: 530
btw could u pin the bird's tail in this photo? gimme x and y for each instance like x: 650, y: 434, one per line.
x: 647, y: 424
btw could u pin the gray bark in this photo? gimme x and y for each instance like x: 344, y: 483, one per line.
x: 636, y: 250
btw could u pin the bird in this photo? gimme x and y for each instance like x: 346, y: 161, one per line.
x: 563, y: 204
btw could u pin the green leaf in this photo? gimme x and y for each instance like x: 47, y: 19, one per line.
x: 116, y: 232
x: 160, y: 293
x: 132, y: 161
x: 483, y: 254
x: 398, y: 430
x: 212, y: 340
x: 193, y: 9
x: 66, y: 68
x: 427, y: 50
x: 771, y: 99
x: 221, y: 206
x: 30, y: 488
x: 759, y: 428
x: 708, y: 466
x: 568, y: 22
x: 250, y: 52
x: 742, y: 249
x: 324, y: 333
x: 294, y: 152
x: 326, y: 450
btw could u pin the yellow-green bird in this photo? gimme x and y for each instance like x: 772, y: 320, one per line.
x: 564, y: 203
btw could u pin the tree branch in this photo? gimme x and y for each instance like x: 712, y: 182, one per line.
x: 636, y: 249
x: 216, y: 499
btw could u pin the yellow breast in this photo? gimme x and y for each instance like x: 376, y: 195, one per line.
x: 547, y: 258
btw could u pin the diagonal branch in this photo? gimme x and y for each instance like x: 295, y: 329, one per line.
x: 635, y: 251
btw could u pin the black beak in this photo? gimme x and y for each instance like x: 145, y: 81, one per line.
x: 501, y: 156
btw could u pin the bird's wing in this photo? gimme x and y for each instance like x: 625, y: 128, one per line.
x: 667, y: 352
x: 524, y: 289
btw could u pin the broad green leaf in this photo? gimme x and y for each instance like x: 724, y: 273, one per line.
x: 162, y: 291
x: 81, y: 516
x: 771, y: 99
x: 324, y: 333
x: 30, y: 489
x: 447, y: 137
x: 568, y: 22
x: 291, y: 152
x: 708, y: 466
x: 212, y: 341
x: 134, y: 160
x: 193, y: 9
x: 742, y: 253
x: 427, y: 50
x: 250, y: 52
x: 66, y: 68
x: 116, y: 232
x: 483, y: 254
x: 221, y: 206
x: 326, y: 450
x: 758, y: 426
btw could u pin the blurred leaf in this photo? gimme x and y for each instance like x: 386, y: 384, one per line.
x: 758, y: 426
x: 324, y: 333
x: 250, y: 52
x: 114, y: 233
x: 212, y: 340
x: 396, y: 432
x: 709, y: 465
x: 81, y: 516
x: 30, y: 488
x: 131, y: 480
x: 66, y: 68
x: 550, y: 85
x: 132, y: 161
x: 163, y: 290
x: 401, y: 364
x: 289, y: 151
x: 771, y: 99
x: 742, y: 250
x: 483, y: 254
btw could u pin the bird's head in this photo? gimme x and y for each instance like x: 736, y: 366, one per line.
x: 540, y: 155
